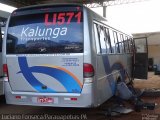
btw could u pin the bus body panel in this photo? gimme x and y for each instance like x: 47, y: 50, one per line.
x: 109, y: 68
x: 1, y: 86
x: 90, y: 51
x: 85, y: 99
x: 41, y: 50
x: 33, y: 72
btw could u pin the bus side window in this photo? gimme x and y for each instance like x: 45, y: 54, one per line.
x: 121, y: 47
x: 116, y: 42
x: 122, y: 38
x: 97, y: 38
x: 108, y: 41
x: 112, y: 41
x: 132, y: 46
x: 127, y: 44
x: 102, y: 39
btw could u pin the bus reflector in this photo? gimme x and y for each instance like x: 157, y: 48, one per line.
x: 5, y: 70
x: 74, y: 99
x: 18, y: 97
x: 88, y: 70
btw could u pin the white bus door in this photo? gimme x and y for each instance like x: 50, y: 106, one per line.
x: 140, y: 62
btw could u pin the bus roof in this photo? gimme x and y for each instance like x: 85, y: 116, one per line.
x: 46, y: 5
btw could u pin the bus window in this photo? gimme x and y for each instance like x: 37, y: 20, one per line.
x: 112, y: 40
x: 121, y: 47
x: 129, y: 44
x: 116, y: 42
x: 97, y: 38
x: 108, y: 41
x: 132, y: 45
x: 36, y: 33
x: 122, y: 38
x: 102, y: 39
x: 126, y: 45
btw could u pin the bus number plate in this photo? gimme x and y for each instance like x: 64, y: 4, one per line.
x: 45, y: 100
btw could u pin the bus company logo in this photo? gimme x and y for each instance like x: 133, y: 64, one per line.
x: 42, y: 33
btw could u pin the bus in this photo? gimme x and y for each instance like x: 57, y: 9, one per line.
x: 63, y: 55
x: 1, y: 66
x: 3, y: 18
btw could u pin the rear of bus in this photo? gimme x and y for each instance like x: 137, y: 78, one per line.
x: 44, y: 57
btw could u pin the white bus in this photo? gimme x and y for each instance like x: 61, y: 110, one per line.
x: 3, y: 18
x: 1, y: 66
x: 64, y: 56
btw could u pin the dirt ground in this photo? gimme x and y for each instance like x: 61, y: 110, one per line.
x: 87, y: 113
x: 153, y: 82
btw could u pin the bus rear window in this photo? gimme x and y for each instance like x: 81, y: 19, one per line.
x: 53, y: 30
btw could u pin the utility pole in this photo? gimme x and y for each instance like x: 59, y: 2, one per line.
x: 104, y: 11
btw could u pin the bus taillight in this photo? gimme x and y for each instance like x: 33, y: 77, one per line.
x: 5, y: 70
x: 88, y: 70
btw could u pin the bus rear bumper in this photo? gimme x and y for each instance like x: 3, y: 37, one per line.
x: 85, y: 99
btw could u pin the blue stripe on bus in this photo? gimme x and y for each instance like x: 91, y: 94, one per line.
x: 109, y: 69
x: 119, y: 66
x: 25, y: 70
x: 65, y: 79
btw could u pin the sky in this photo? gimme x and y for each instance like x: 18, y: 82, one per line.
x: 136, y: 17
